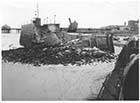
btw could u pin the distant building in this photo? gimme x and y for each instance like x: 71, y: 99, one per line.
x: 5, y: 29
x: 131, y: 28
x: 123, y: 27
x: 133, y: 25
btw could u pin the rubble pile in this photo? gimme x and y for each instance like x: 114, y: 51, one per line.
x: 43, y: 55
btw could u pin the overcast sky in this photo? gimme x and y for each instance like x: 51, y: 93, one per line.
x: 87, y: 13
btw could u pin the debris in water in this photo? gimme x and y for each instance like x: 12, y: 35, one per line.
x: 41, y: 54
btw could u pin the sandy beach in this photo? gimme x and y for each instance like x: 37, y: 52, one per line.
x: 53, y: 82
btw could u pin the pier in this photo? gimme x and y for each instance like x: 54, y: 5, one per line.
x: 16, y: 29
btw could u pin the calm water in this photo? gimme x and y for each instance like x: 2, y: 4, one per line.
x: 10, y: 40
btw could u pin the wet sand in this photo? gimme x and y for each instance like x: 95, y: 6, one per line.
x: 53, y: 82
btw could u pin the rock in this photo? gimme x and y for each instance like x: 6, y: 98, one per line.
x: 41, y: 54
x: 67, y: 51
x: 44, y: 49
x: 78, y: 51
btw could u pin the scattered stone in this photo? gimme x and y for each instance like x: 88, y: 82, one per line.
x: 41, y: 54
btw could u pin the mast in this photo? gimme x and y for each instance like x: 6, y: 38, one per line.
x: 54, y: 19
x: 37, y: 11
x: 37, y: 20
x: 47, y: 20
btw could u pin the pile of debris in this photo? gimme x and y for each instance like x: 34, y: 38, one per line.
x: 45, y: 55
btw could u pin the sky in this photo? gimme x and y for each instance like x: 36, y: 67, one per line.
x: 88, y: 13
